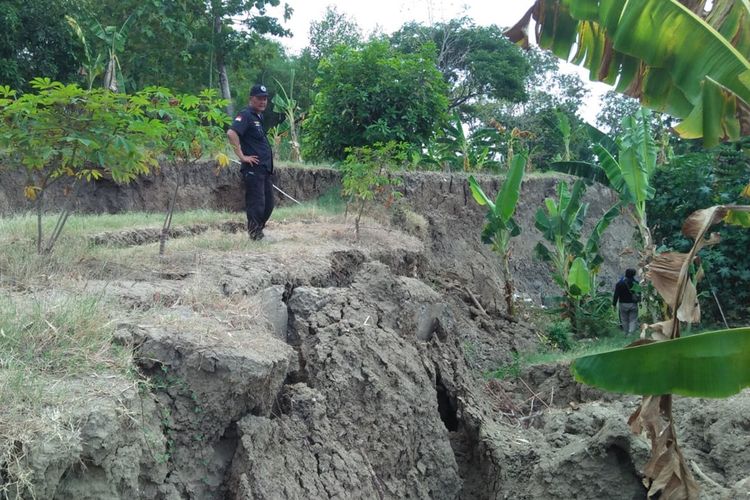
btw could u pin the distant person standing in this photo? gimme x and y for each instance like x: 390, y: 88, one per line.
x: 626, y: 294
x: 247, y: 135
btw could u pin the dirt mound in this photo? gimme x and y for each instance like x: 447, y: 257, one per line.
x: 145, y: 236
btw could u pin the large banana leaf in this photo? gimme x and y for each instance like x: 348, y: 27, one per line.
x: 582, y: 169
x: 592, y: 243
x: 507, y: 198
x: 501, y: 226
x: 478, y: 193
x: 563, y: 219
x: 661, y: 52
x: 711, y: 365
x: 579, y: 278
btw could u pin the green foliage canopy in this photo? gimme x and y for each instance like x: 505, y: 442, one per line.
x: 374, y: 94
x: 476, y: 61
x: 696, y: 180
x: 334, y: 29
x: 35, y: 40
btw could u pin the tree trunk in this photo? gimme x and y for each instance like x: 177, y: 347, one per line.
x: 221, y: 66
x: 110, y: 76
x: 39, y: 208
x: 508, y: 283
x: 168, y: 219
x: 224, y: 83
x: 296, y: 154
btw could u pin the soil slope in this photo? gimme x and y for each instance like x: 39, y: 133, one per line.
x: 313, y: 365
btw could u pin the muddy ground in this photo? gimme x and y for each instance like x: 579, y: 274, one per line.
x: 314, y: 365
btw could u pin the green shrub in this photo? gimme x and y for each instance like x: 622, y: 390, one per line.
x: 557, y: 335
x: 595, y: 316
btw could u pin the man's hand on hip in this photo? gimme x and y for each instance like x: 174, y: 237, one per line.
x: 251, y: 159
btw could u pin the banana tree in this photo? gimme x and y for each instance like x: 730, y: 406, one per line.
x: 90, y: 66
x: 575, y: 263
x: 630, y: 174
x: 455, y: 149
x: 686, y: 58
x: 714, y: 364
x: 560, y: 222
x: 501, y: 226
x: 289, y: 107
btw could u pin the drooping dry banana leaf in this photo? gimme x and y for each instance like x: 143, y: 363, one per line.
x: 666, y: 473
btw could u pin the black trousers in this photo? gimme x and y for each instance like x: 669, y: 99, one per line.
x: 258, y: 197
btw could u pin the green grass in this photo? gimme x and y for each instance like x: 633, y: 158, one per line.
x: 55, y: 349
x: 580, y: 348
x: 62, y: 336
x: 23, y: 227
x: 330, y: 203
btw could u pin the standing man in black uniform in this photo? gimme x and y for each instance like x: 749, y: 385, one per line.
x: 247, y: 135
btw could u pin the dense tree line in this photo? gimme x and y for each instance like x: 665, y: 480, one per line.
x: 229, y: 44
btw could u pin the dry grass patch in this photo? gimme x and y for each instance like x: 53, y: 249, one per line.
x: 46, y: 342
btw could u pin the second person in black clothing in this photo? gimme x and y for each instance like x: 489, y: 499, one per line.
x: 247, y: 135
x: 626, y: 293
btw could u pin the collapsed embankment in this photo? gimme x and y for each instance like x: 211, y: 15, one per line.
x: 452, y: 219
x: 312, y: 365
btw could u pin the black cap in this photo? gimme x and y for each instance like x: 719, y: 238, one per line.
x: 258, y: 91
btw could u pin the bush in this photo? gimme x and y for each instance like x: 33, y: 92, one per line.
x: 557, y: 335
x: 698, y: 180
x: 374, y: 94
x: 595, y: 316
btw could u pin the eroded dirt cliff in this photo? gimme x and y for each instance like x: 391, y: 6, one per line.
x: 314, y: 365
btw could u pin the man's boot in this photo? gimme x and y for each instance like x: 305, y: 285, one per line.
x: 254, y: 231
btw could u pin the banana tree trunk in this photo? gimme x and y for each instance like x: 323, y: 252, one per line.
x: 224, y: 83
x: 296, y: 154
x: 110, y: 76
x: 508, y: 283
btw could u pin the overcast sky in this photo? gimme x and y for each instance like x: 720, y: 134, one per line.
x: 390, y: 15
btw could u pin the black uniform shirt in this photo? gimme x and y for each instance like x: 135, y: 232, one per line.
x: 253, y: 140
x: 624, y: 292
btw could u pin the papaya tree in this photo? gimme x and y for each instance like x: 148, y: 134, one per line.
x: 686, y: 58
x: 714, y: 364
x: 191, y: 128
x: 501, y: 226
x: 68, y: 135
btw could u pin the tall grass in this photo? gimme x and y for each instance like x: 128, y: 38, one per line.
x: 62, y: 336
x: 51, y: 345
